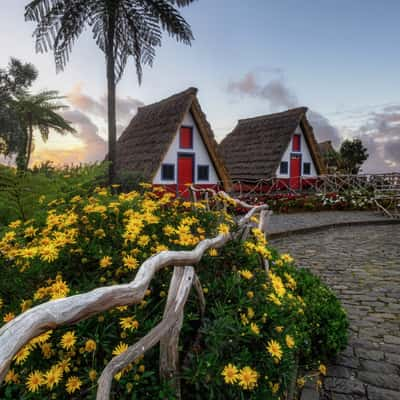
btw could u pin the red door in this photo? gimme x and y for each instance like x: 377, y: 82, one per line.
x: 295, y: 171
x: 185, y: 173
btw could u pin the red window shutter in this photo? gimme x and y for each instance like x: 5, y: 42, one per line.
x: 186, y: 138
x: 296, y: 143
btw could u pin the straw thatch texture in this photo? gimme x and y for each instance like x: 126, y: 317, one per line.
x: 254, y: 149
x: 144, y: 143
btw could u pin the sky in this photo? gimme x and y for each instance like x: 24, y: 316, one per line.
x: 339, y: 58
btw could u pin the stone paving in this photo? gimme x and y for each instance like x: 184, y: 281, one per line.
x: 283, y: 223
x: 362, y: 265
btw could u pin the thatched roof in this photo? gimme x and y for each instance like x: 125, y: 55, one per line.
x: 325, y: 147
x: 146, y: 140
x: 254, y: 149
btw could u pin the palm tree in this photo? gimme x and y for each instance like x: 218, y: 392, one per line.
x: 39, y: 111
x: 121, y: 28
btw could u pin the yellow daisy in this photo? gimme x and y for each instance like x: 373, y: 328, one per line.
x: 68, y: 340
x: 230, y: 374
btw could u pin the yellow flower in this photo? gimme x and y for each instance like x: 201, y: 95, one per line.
x: 279, y: 329
x: 223, y: 229
x: 34, y: 381
x: 141, y: 368
x: 1, y: 303
x: 274, y: 348
x: 129, y: 323
x: 250, y: 294
x: 99, y: 233
x: 8, y: 317
x: 254, y: 328
x: 48, y: 253
x: 90, y: 345
x: 65, y: 364
x: 250, y: 313
x: 244, y: 319
x: 213, y: 252
x: 15, y: 224
x: 92, y: 375
x: 130, y: 262
x: 121, y: 348
x: 322, y: 369
x: 46, y: 350
x: 68, y: 340
x: 274, y: 299
x: 248, y: 378
x: 30, y: 231
x: 53, y: 376
x: 286, y: 258
x: 301, y: 382
x: 11, y: 377
x: 245, y: 273
x: 105, y: 262
x: 230, y: 374
x: 289, y: 341
x: 22, y: 355
x: 73, y: 384
x: 274, y: 387
x: 25, y: 305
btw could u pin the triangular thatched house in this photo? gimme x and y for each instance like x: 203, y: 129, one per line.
x: 171, y: 144
x: 280, y: 145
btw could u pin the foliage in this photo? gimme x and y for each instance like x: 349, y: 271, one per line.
x: 38, y: 111
x: 121, y: 29
x: 352, y: 155
x: 14, y: 81
x: 258, y: 322
x: 23, y: 195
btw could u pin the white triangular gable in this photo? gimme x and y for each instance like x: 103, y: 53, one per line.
x: 305, y: 156
x: 201, y: 156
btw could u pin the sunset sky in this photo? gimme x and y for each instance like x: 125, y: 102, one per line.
x: 253, y: 57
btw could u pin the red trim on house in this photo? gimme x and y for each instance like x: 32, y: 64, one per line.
x: 295, y: 171
x: 296, y: 146
x: 186, y: 137
x: 185, y: 193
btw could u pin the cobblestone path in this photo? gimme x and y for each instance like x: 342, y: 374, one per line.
x: 362, y: 265
x: 288, y: 222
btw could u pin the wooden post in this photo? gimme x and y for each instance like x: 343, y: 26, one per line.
x: 169, y: 351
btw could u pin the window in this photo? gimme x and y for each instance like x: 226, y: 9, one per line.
x: 296, y: 142
x: 168, y: 172
x: 284, y: 167
x: 203, y: 172
x: 306, y: 168
x: 186, y: 137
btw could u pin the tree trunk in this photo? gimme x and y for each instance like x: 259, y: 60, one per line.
x: 112, y: 126
x: 29, y: 144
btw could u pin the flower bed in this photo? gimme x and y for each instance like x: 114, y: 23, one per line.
x: 256, y: 328
x: 294, y: 202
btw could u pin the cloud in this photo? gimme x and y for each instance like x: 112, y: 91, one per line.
x: 126, y: 107
x: 88, y: 115
x: 85, y: 103
x: 93, y: 146
x: 275, y: 91
x: 381, y: 135
x: 379, y: 131
x: 323, y: 129
x: 280, y: 97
